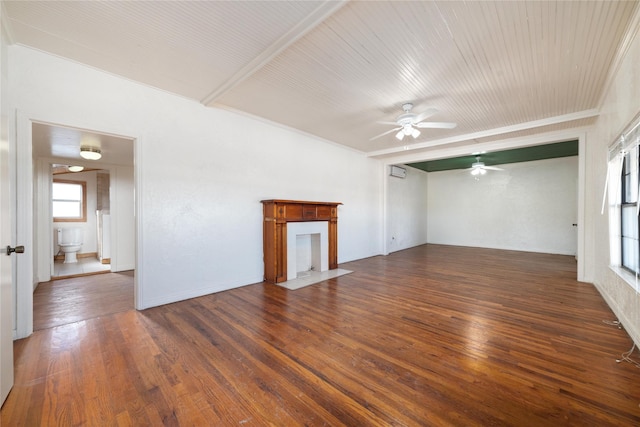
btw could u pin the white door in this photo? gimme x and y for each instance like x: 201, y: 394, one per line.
x: 6, y: 288
x: 6, y: 271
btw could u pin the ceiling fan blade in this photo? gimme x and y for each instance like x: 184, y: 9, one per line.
x: 385, y: 133
x: 388, y: 123
x: 437, y: 125
x: 425, y: 115
x: 493, y: 168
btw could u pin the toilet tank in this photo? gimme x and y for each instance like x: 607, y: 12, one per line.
x: 70, y: 236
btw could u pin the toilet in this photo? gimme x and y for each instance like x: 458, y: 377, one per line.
x: 70, y: 241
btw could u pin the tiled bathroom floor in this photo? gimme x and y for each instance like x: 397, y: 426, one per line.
x: 83, y: 266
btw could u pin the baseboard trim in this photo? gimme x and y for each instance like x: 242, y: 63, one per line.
x: 84, y: 255
x: 73, y: 276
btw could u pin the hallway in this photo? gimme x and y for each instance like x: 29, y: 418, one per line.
x: 64, y: 301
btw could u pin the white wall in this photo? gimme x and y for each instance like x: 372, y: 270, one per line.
x: 621, y: 104
x: 200, y: 175
x: 407, y: 210
x: 528, y: 206
x: 122, y: 217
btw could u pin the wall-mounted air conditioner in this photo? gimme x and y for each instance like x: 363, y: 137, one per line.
x: 398, y: 172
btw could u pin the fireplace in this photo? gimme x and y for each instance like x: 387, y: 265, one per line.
x: 285, y: 218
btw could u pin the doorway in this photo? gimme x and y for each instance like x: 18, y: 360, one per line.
x: 48, y: 144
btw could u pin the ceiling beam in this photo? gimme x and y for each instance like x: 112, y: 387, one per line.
x: 489, y: 133
x: 319, y: 15
x: 444, y: 152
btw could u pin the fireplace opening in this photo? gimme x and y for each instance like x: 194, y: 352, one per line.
x: 307, y: 254
x: 307, y: 248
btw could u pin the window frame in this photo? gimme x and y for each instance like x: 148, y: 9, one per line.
x: 627, y: 178
x: 83, y: 202
x: 624, y: 151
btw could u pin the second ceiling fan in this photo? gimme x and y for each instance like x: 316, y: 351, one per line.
x: 409, y: 123
x: 479, y: 168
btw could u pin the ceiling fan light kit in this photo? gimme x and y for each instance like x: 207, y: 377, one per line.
x: 478, y: 171
x: 75, y: 168
x: 90, y: 153
x: 479, y: 168
x: 406, y: 131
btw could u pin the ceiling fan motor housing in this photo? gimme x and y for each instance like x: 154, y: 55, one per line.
x: 407, y: 107
x: 406, y: 119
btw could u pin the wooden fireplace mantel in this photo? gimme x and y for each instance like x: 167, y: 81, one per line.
x: 277, y: 213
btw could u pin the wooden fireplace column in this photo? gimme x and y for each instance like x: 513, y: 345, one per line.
x: 277, y: 213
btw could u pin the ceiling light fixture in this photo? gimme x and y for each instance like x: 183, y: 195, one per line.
x: 75, y: 168
x: 407, y: 129
x: 90, y: 153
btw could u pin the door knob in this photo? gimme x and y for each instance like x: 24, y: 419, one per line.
x: 17, y: 249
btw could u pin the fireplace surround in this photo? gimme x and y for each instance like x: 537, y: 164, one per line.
x: 277, y: 213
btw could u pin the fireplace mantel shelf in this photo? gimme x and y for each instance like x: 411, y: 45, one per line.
x: 276, y: 215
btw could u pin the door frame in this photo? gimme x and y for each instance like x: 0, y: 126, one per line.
x: 23, y: 272
x: 584, y: 272
x: 24, y: 280
x: 43, y: 219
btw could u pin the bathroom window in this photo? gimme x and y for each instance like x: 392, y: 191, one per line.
x: 68, y: 201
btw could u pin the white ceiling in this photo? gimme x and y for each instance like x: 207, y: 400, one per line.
x: 57, y: 142
x: 333, y: 69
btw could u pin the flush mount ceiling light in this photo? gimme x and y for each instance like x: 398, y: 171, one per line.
x: 75, y: 168
x: 90, y: 153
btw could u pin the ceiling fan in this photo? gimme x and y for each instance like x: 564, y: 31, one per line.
x: 408, y: 123
x: 479, y: 168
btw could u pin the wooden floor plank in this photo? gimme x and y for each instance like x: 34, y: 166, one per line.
x: 60, y: 302
x: 434, y: 335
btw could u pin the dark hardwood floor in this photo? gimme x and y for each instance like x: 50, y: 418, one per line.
x: 64, y: 301
x: 435, y: 335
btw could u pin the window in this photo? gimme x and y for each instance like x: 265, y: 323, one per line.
x: 629, y: 225
x: 68, y: 201
x: 622, y: 191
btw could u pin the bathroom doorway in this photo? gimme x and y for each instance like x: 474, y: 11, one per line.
x: 81, y: 226
x: 107, y: 203
x: 103, y: 210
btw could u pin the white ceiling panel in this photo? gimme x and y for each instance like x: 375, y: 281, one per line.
x: 63, y: 144
x: 189, y: 48
x: 483, y: 65
x: 334, y: 69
